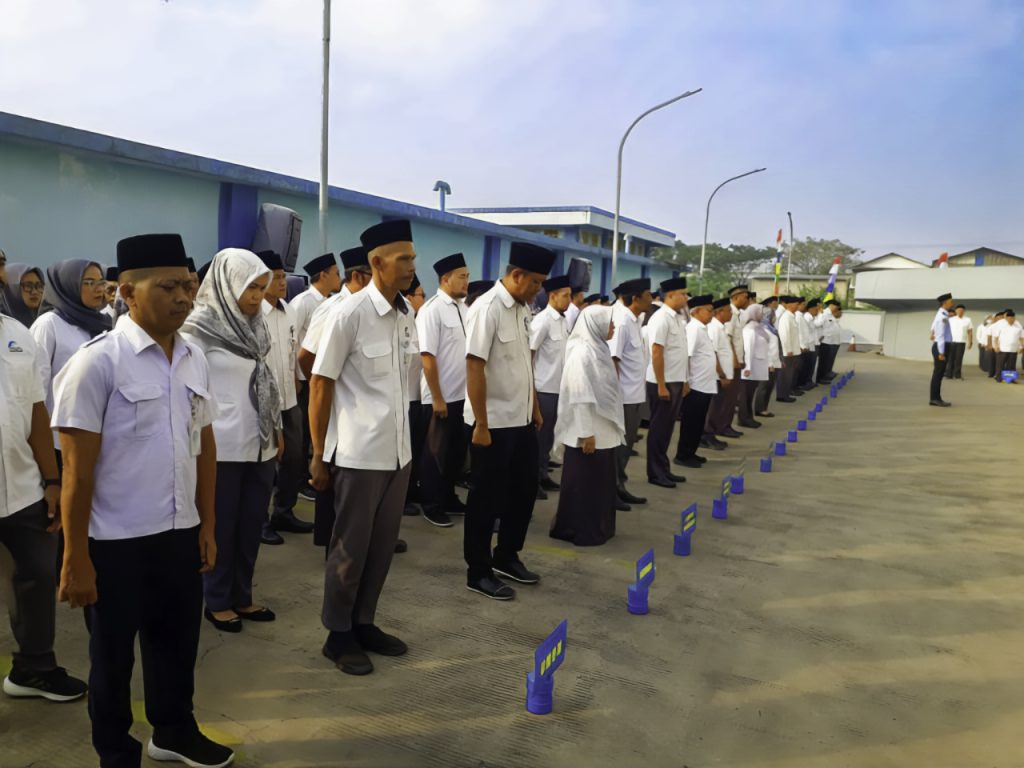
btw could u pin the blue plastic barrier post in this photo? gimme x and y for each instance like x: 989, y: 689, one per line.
x: 780, y: 448
x: 736, y: 483
x: 1009, y: 376
x: 720, y: 506
x: 812, y: 414
x: 681, y: 544
x: 540, y: 683
x: 834, y: 391
x: 636, y: 597
x: 801, y: 424
x: 791, y: 437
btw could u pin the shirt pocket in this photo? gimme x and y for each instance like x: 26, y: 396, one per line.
x: 555, y: 332
x: 377, y: 359
x: 200, y: 406
x: 507, y: 338
x: 150, y: 407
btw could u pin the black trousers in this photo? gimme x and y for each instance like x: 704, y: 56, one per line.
x: 827, y: 354
x: 548, y: 403
x: 33, y: 586
x: 955, y: 359
x: 938, y: 372
x: 664, y: 415
x: 291, y: 469
x: 983, y: 355
x: 787, y: 376
x: 744, y: 396
x: 992, y: 360
x: 419, y: 421
x: 505, y: 487
x: 307, y: 441
x: 150, y: 587
x: 695, y: 411
x: 808, y: 360
x: 439, y: 473
x: 1005, y: 361
x: 763, y: 395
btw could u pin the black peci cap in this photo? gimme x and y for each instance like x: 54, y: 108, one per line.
x: 385, y: 233
x: 151, y: 251
x: 673, y: 284
x: 532, y: 258
x: 557, y: 283
x: 449, y: 264
x: 704, y: 300
x: 319, y: 264
x: 719, y: 303
x: 271, y: 260
x: 353, y: 258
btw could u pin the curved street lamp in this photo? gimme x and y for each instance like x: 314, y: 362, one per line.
x: 618, y: 173
x: 707, y: 214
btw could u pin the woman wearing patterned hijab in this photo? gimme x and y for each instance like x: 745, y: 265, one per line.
x: 23, y: 292
x: 227, y: 323
x: 74, y: 293
x: 590, y: 427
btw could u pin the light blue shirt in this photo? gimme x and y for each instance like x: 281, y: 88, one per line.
x: 940, y: 330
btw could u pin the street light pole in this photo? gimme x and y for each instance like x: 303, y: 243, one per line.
x: 618, y: 173
x: 707, y: 214
x: 789, y: 267
x: 326, y: 86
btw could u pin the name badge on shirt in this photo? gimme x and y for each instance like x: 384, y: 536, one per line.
x: 194, y: 429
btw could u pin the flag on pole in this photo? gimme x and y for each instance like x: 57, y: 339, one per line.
x: 943, y: 261
x: 830, y: 292
x: 778, y: 260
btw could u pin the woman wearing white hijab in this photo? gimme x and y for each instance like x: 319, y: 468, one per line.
x: 755, y: 348
x: 227, y: 323
x: 590, y: 427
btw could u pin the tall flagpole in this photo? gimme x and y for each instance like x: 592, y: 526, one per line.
x: 325, y: 100
x: 789, y: 268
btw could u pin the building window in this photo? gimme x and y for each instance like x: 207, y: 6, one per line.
x: 588, y: 237
x: 551, y: 232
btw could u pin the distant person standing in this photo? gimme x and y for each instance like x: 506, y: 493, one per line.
x: 998, y: 321
x: 703, y: 371
x: 831, y: 337
x: 575, y: 305
x: 962, y: 331
x: 549, y: 333
x: 981, y: 337
x: 23, y: 292
x: 789, y: 341
x: 723, y: 405
x: 940, y: 346
x: 1007, y: 344
x: 765, y: 388
x: 667, y: 374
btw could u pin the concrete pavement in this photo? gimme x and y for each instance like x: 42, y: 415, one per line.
x: 860, y: 607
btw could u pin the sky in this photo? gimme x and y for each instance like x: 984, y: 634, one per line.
x: 892, y: 125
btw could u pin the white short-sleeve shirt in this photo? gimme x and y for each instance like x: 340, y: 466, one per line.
x: 734, y: 330
x: 958, y: 327
x: 1009, y: 337
x: 304, y: 305
x: 57, y: 340
x: 722, y: 344
x: 831, y: 330
x: 21, y: 387
x: 365, y: 349
x: 627, y: 346
x: 149, y: 412
x: 320, y: 318
x: 667, y: 329
x: 703, y: 372
x: 284, y: 343
x: 548, y: 336
x: 441, y: 328
x: 498, y: 332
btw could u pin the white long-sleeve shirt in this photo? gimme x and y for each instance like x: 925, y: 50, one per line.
x: 789, y: 334
x: 940, y: 330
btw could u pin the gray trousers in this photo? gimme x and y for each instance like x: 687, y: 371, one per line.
x: 368, y: 506
x: 291, y: 469
x: 631, y: 414
x: 546, y: 436
x: 241, y: 501
x: 32, y: 588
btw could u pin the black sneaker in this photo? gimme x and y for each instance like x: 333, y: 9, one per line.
x: 488, y: 586
x: 307, y: 493
x: 516, y: 571
x: 372, y: 638
x: 55, y: 685
x: 437, y: 516
x: 197, y: 751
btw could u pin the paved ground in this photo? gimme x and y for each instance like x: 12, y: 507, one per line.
x: 860, y: 607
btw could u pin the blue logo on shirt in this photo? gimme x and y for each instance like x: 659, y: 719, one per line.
x: 13, y: 347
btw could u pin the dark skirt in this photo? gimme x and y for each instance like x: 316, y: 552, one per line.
x: 586, y: 502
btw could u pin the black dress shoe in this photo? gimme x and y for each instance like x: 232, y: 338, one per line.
x: 704, y: 443
x: 269, y: 536
x: 549, y: 485
x: 717, y: 445
x: 224, y: 625
x: 766, y: 415
x: 676, y: 478
x: 289, y: 523
x: 730, y: 432
x: 701, y: 459
x: 661, y: 483
x: 344, y: 650
x: 401, y: 546
x: 621, y: 506
x: 260, y: 614
x: 629, y: 498
x: 633, y: 452
x: 412, y: 509
x: 553, y: 465
x: 372, y: 638
x: 515, y: 570
x: 691, y: 461
x: 541, y: 494
x: 489, y: 586
x: 750, y: 423
x: 785, y: 399
x: 939, y: 403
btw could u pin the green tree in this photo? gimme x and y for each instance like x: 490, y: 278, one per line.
x: 812, y: 256
x: 724, y: 266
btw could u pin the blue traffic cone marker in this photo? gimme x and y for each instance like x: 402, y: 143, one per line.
x: 791, y: 437
x: 736, y: 485
x: 720, y: 508
x: 636, y: 595
x: 540, y: 683
x: 801, y: 424
x: 834, y: 392
x: 824, y: 401
x: 682, y: 541
x: 766, y: 464
x: 812, y: 414
x: 780, y: 448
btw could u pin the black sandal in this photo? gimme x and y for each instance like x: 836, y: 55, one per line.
x: 260, y: 614
x: 224, y: 625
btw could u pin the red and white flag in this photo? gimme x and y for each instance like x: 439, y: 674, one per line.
x: 943, y: 261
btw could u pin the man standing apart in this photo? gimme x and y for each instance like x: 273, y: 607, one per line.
x: 1007, y: 345
x: 548, y: 335
x: 504, y: 414
x: 941, y: 337
x: 135, y: 417
x: 441, y: 327
x: 961, y: 329
x: 666, y: 379
x: 359, y: 415
x: 627, y: 349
